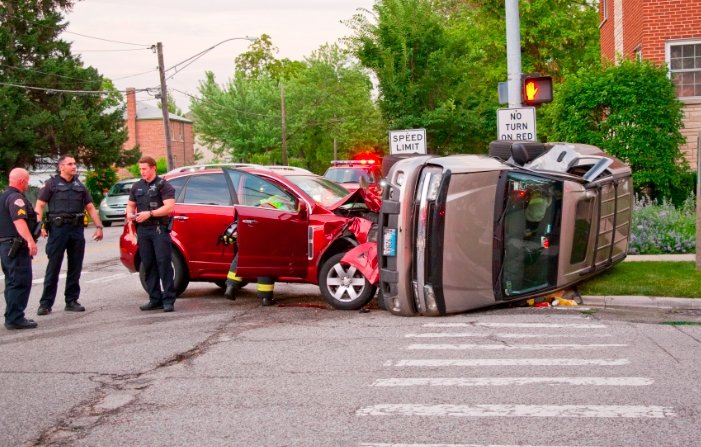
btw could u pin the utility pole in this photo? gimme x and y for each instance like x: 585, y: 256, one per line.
x: 284, y: 123
x: 164, y: 107
x: 513, y: 53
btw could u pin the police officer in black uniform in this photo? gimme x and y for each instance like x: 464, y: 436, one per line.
x: 17, y: 247
x: 68, y: 199
x: 150, y: 204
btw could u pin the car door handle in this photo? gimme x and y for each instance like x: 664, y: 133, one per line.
x: 250, y: 221
x: 180, y: 217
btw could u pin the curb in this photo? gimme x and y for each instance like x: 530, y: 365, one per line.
x: 647, y: 302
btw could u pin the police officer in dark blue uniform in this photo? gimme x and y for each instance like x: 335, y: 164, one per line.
x: 17, y: 247
x: 150, y: 204
x: 68, y: 199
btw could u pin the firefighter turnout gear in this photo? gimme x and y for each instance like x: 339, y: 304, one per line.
x: 264, y: 288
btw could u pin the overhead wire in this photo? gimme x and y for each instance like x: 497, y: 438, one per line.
x: 108, y: 40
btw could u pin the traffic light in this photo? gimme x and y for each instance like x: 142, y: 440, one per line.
x: 537, y: 90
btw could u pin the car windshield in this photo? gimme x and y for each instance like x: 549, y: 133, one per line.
x: 121, y: 189
x: 320, y: 189
x: 348, y: 175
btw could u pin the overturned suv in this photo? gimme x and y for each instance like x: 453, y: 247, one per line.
x: 467, y: 231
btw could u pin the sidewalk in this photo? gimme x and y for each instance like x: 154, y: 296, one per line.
x: 650, y: 302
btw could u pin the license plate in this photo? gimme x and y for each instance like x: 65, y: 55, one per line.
x: 389, y: 242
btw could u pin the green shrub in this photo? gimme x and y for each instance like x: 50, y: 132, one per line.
x: 99, y: 182
x: 660, y: 227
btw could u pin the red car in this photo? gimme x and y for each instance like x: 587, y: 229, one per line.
x: 302, y: 240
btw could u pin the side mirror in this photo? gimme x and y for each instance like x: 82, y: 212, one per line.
x: 303, y: 211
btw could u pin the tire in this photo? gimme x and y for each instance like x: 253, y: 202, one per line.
x: 107, y: 223
x: 355, y: 294
x: 180, y: 280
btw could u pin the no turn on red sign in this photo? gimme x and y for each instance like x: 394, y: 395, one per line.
x: 516, y: 124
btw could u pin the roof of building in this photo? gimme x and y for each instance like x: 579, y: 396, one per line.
x: 146, y: 111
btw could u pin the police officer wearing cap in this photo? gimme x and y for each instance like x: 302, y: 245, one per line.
x: 150, y: 204
x: 17, y: 247
x: 68, y: 199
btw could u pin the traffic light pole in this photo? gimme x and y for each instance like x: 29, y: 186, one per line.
x: 513, y: 53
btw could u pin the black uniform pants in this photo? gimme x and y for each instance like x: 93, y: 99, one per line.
x: 156, y: 253
x: 68, y: 239
x: 18, y: 281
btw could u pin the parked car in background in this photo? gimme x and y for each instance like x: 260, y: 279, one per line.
x: 466, y: 231
x: 299, y: 239
x: 113, y: 206
x: 350, y: 173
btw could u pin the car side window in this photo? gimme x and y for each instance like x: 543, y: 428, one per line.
x: 177, y: 184
x: 262, y: 193
x: 207, y: 189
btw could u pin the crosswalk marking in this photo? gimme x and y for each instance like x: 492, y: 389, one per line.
x: 507, y: 381
x: 512, y: 362
x: 109, y: 278
x: 520, y: 325
x: 379, y: 444
x: 420, y: 346
x: 549, y: 411
x: 501, y: 335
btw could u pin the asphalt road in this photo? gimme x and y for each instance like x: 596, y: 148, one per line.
x: 222, y: 373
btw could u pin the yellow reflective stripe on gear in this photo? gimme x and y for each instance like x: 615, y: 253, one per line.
x: 265, y: 287
x: 232, y: 276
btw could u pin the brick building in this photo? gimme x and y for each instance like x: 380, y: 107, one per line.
x: 145, y: 128
x: 664, y: 32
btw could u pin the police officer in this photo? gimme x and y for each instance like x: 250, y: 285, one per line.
x: 17, y: 247
x: 150, y: 204
x: 68, y: 199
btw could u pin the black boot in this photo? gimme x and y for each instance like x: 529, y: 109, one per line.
x: 230, y: 292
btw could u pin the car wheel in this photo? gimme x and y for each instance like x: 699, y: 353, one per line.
x: 180, y: 279
x: 343, y: 286
x: 106, y: 223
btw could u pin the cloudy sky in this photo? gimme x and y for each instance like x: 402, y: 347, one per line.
x: 188, y: 27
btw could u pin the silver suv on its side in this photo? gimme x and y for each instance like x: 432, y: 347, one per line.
x: 468, y: 231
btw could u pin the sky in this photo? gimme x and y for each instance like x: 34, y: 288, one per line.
x: 188, y: 27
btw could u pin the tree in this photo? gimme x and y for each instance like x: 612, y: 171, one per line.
x: 328, y: 96
x: 631, y: 111
x: 47, y: 104
x: 438, y: 62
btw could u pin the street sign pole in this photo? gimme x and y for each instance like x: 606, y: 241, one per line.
x: 513, y: 53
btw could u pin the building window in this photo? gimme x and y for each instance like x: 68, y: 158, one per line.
x: 684, y: 59
x: 638, y: 52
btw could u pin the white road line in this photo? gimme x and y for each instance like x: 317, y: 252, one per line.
x: 511, y: 362
x: 489, y: 334
x: 380, y: 444
x: 527, y: 325
x: 508, y: 381
x: 109, y: 278
x: 41, y: 280
x: 464, y: 347
x: 549, y: 411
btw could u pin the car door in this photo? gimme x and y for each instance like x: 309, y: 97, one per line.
x: 203, y: 210
x: 272, y: 229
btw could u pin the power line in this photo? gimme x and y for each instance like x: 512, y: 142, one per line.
x: 44, y: 73
x: 56, y: 90
x: 110, y: 51
x: 108, y: 40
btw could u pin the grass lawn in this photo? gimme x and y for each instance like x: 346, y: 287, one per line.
x: 674, y: 279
